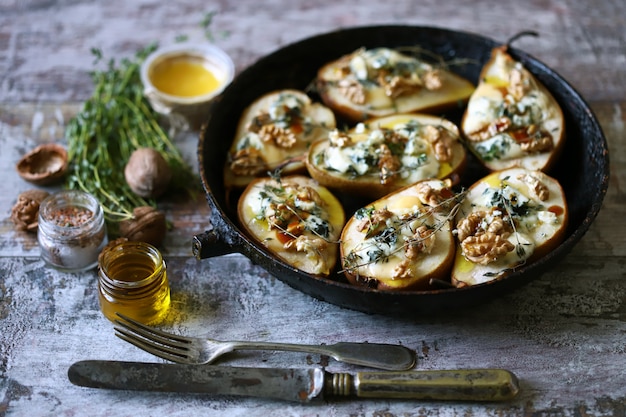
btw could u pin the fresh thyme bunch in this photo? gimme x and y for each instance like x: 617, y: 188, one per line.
x: 116, y: 120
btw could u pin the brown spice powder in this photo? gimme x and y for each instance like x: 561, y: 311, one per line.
x: 70, y: 216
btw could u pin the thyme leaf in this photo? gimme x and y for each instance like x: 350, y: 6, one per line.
x: 207, y: 25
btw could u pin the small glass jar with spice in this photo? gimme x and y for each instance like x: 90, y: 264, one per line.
x: 132, y: 280
x: 71, y: 230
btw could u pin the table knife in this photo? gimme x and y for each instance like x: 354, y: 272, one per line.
x: 301, y: 385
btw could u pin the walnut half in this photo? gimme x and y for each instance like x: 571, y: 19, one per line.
x: 352, y: 90
x: 435, y: 197
x: 422, y: 242
x: 248, y: 161
x: 538, y: 188
x: 441, y: 141
x: 147, y: 225
x: 486, y: 247
x: 483, y: 237
x: 283, y: 138
x: 388, y: 163
x: 25, y: 212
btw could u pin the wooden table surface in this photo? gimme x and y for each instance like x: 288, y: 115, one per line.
x: 564, y: 334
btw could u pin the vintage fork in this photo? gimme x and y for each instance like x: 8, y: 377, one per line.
x: 196, y: 350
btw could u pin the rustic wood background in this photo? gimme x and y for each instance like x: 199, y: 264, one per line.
x: 564, y: 334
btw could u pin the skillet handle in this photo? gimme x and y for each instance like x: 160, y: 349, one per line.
x: 221, y: 239
x: 211, y: 244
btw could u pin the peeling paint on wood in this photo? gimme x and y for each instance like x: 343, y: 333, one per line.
x: 563, y: 335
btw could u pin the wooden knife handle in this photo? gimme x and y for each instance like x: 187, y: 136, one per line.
x: 459, y: 385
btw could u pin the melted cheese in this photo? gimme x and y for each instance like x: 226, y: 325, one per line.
x: 530, y: 224
x: 491, y: 101
x: 481, y: 109
x: 360, y: 159
x: 510, y: 195
x: 532, y: 109
x: 323, y: 221
x: 365, y: 66
x: 378, y: 257
x: 313, y: 122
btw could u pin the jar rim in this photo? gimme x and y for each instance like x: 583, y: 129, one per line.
x: 69, y: 198
x: 121, y: 250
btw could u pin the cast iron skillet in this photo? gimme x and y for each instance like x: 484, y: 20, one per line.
x: 583, y: 169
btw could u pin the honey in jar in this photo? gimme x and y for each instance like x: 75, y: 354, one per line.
x: 132, y: 280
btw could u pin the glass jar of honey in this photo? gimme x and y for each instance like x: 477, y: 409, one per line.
x: 132, y: 280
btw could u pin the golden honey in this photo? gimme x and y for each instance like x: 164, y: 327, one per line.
x: 132, y: 280
x: 184, y: 77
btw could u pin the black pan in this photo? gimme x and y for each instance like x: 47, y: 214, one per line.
x: 583, y: 169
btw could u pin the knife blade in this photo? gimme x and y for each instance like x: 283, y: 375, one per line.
x: 300, y: 385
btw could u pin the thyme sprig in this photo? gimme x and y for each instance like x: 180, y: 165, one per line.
x: 112, y: 123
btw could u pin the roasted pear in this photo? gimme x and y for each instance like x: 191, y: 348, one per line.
x: 403, y: 240
x: 507, y: 219
x: 385, y: 154
x: 275, y: 131
x: 511, y: 119
x: 382, y: 81
x: 296, y: 219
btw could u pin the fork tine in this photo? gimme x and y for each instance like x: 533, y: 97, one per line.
x: 162, y: 344
x: 150, y: 333
x: 160, y: 351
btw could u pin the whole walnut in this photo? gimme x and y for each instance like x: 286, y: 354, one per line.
x: 147, y: 225
x: 147, y: 173
x: 25, y: 212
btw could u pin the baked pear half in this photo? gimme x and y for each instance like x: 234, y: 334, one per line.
x: 275, y: 131
x: 385, y: 154
x: 296, y: 219
x: 511, y: 119
x: 403, y: 240
x: 382, y: 81
x: 507, y: 219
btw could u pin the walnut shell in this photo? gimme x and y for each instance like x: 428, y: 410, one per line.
x: 25, y: 212
x: 46, y: 164
x: 147, y: 225
x: 147, y: 173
